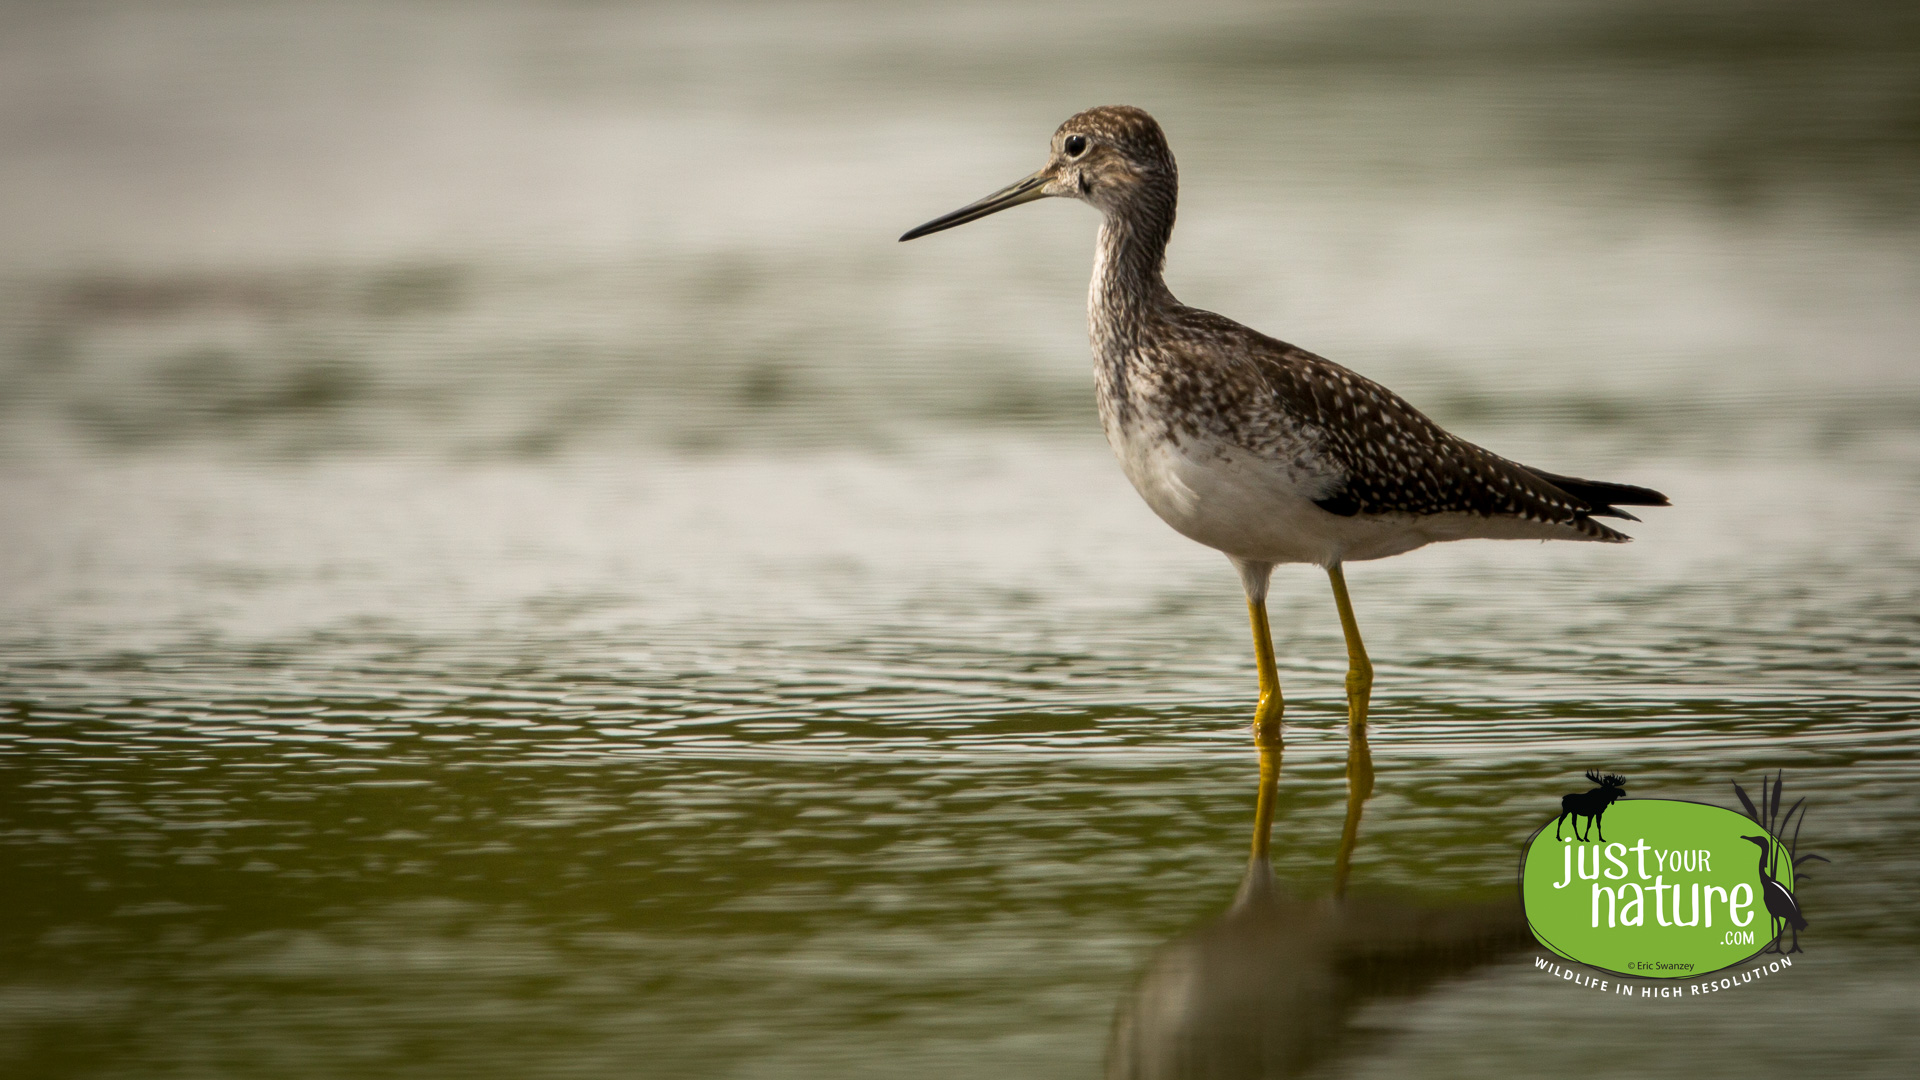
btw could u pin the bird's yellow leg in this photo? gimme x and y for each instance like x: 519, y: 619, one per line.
x: 1266, y: 728
x: 1359, y: 759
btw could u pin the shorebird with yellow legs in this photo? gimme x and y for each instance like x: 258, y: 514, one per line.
x: 1262, y: 450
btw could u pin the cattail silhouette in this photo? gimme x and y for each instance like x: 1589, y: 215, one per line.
x: 1780, y: 901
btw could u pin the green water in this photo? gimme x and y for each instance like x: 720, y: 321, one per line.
x: 507, y: 570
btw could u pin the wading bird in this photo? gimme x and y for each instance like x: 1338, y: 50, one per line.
x: 1265, y: 451
x: 1782, y: 907
x: 1780, y: 903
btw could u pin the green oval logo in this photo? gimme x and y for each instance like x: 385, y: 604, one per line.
x: 1676, y: 889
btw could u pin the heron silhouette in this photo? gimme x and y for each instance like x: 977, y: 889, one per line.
x: 1779, y: 899
x: 1780, y: 902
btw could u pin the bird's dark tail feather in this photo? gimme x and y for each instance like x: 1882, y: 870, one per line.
x: 1602, y: 495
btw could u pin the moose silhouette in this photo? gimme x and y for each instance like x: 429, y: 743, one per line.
x: 1591, y: 805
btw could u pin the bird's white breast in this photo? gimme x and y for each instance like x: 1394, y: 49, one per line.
x: 1251, y: 507
x: 1260, y: 508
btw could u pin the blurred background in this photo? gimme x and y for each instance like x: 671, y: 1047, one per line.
x: 507, y: 567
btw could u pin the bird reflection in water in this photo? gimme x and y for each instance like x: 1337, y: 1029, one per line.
x: 1271, y: 987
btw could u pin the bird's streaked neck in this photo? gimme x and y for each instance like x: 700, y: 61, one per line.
x: 1127, y: 282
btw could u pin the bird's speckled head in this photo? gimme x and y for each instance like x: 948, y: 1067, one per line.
x: 1107, y: 152
x: 1112, y: 156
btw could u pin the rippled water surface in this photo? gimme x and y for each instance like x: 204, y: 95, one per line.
x: 507, y: 570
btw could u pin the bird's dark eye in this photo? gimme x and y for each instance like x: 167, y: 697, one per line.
x: 1075, y: 145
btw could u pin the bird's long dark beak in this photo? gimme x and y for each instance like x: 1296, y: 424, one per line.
x: 1027, y: 190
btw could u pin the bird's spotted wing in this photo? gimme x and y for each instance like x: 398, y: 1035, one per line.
x: 1395, y: 460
